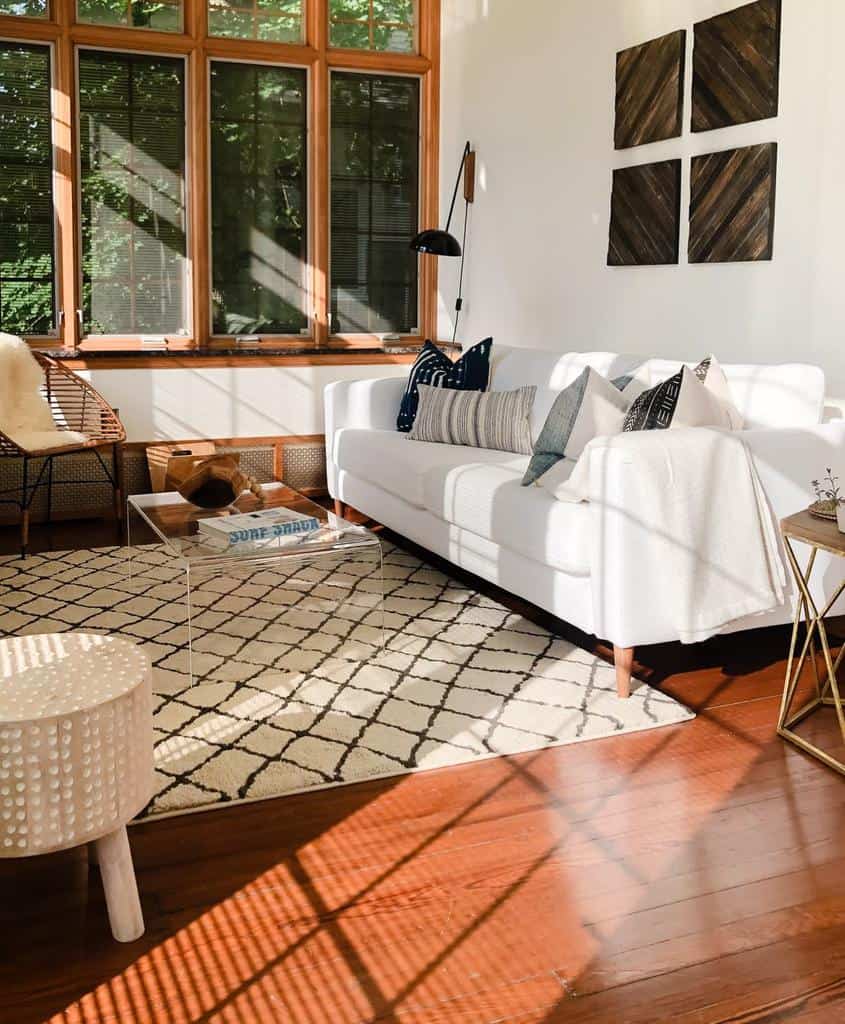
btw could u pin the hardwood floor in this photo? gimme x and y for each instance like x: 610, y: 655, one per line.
x: 695, y: 873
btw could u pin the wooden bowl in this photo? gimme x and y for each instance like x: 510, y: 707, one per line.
x: 211, y: 481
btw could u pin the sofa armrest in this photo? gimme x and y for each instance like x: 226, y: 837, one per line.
x: 365, y: 404
x: 789, y: 459
x: 626, y: 565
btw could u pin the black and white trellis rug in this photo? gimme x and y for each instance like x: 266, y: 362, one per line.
x: 293, y: 692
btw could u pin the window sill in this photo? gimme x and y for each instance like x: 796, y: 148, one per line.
x: 237, y: 355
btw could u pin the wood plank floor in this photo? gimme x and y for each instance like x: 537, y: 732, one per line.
x: 693, y: 874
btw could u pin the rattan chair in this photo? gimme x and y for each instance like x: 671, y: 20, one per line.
x: 78, y: 407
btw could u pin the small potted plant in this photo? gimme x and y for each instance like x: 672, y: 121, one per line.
x: 829, y: 503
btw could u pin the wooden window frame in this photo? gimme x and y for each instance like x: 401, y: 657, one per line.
x: 370, y: 25
x: 199, y: 48
x: 274, y: 340
x: 187, y: 284
x: 50, y: 339
x: 349, y: 338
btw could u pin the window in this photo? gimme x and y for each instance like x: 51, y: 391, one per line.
x: 132, y: 128
x: 258, y: 199
x: 275, y: 20
x: 27, y: 265
x: 219, y: 172
x: 162, y: 15
x: 372, y: 24
x: 374, y: 203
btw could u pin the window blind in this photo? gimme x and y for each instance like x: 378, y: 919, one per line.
x: 27, y: 263
x: 374, y: 203
x: 132, y: 127
x: 258, y: 199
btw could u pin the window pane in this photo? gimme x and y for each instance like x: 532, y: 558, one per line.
x: 162, y: 15
x: 374, y: 203
x: 24, y: 8
x: 258, y: 199
x: 132, y: 128
x: 27, y: 301
x: 279, y: 21
x: 372, y: 24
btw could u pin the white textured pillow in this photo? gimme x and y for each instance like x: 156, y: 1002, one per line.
x: 712, y: 376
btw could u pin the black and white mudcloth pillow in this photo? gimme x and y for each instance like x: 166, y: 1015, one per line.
x: 492, y: 419
x: 432, y: 367
x: 681, y: 401
x: 591, y: 406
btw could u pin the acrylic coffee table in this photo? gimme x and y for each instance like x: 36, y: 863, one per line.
x: 170, y: 520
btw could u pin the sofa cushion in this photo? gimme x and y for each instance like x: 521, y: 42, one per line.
x: 398, y: 465
x: 487, y: 499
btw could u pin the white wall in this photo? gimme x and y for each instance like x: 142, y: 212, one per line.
x: 531, y: 84
x: 240, y: 402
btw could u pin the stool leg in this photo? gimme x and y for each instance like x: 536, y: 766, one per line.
x: 115, y: 859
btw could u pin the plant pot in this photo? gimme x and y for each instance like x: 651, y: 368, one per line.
x: 840, y: 516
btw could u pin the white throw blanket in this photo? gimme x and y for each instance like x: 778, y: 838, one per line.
x: 695, y: 508
x: 25, y: 416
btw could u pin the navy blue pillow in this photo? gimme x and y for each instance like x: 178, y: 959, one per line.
x: 470, y: 373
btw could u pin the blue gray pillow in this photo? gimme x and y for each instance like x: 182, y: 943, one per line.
x: 433, y: 367
x: 591, y: 406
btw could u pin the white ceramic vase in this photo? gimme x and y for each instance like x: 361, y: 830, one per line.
x: 840, y: 516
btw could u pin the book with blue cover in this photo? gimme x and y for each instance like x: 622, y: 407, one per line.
x: 262, y: 525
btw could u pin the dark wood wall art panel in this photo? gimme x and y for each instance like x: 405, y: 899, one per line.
x: 735, y: 66
x: 650, y: 91
x: 732, y: 205
x: 645, y: 214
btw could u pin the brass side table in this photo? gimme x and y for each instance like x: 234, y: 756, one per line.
x: 819, y: 535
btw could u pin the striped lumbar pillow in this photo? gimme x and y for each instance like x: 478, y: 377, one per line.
x: 480, y: 419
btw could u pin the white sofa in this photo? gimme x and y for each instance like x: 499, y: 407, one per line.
x: 582, y: 562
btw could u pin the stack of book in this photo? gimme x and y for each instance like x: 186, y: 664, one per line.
x: 269, y: 524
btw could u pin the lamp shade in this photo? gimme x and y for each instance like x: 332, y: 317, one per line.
x: 436, y: 243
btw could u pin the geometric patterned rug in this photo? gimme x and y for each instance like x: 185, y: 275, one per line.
x: 293, y: 691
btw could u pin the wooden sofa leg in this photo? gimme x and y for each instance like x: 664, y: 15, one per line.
x: 623, y: 659
x: 339, y: 508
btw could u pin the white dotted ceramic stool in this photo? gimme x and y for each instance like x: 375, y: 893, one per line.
x: 76, y: 755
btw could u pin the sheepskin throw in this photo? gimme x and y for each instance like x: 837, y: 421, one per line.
x: 25, y: 416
